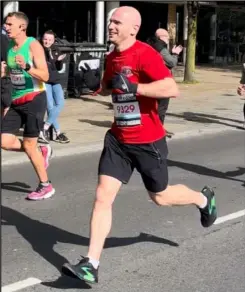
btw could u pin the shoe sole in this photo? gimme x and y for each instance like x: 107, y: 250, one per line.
x: 49, y: 156
x: 211, y: 224
x: 47, y: 196
x: 62, y: 142
x: 68, y: 271
x: 50, y: 152
x: 41, y: 141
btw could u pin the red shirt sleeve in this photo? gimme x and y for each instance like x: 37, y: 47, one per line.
x: 152, y: 65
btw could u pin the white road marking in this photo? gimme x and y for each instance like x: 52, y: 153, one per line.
x: 230, y: 217
x: 21, y: 285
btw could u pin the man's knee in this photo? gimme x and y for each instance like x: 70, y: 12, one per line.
x: 7, y: 141
x: 162, y: 198
x: 106, y: 192
x: 29, y: 144
x: 104, y: 197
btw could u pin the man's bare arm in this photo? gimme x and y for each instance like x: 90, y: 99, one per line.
x: 165, y: 88
x: 40, y: 71
x: 3, y: 69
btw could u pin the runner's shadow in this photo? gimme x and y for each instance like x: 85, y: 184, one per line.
x: 205, y: 118
x: 218, y: 117
x: 102, y: 102
x: 42, y: 237
x: 64, y: 282
x: 16, y: 187
x: 202, y: 170
x: 105, y: 124
x: 238, y: 172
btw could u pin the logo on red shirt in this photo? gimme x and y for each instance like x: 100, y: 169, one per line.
x: 127, y: 71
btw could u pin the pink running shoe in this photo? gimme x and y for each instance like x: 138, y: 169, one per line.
x: 41, y: 193
x: 47, y: 154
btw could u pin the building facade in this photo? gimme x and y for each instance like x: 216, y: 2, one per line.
x: 220, y: 29
x: 86, y: 21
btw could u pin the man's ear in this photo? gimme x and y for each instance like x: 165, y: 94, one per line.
x: 135, y: 30
x: 23, y: 27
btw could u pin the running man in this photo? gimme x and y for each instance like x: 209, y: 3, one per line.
x: 138, y: 77
x: 241, y: 88
x: 28, y: 71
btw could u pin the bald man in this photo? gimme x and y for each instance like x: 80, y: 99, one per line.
x: 160, y: 43
x: 171, y: 60
x: 136, y: 77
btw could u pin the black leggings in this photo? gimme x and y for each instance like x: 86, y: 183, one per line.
x: 244, y: 111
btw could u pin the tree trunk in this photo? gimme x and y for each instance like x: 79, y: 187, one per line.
x: 192, y: 7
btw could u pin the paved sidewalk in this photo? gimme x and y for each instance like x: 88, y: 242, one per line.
x: 212, y: 105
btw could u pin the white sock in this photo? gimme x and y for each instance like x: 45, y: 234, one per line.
x: 94, y: 263
x: 45, y: 184
x: 205, y: 202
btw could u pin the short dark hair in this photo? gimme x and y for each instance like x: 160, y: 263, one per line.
x: 20, y: 15
x: 50, y: 32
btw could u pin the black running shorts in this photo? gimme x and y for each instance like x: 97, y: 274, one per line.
x: 30, y: 114
x: 119, y: 161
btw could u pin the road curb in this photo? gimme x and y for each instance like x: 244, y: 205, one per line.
x: 68, y: 151
x: 97, y: 146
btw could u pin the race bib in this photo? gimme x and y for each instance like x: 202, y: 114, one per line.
x: 126, y: 110
x: 18, y: 80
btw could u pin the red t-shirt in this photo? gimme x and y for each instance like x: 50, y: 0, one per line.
x: 136, y: 120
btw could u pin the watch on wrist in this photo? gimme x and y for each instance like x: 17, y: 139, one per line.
x: 28, y: 67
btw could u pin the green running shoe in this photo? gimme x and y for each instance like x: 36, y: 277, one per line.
x: 209, y: 213
x: 83, y: 270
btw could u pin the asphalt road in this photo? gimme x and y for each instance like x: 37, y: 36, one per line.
x: 150, y: 248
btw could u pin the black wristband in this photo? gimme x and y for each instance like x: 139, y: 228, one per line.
x: 28, y: 67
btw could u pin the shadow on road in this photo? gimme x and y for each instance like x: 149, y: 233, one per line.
x: 202, y: 170
x: 102, y: 102
x: 64, y: 282
x: 205, y: 118
x: 228, y: 94
x: 42, y: 237
x: 188, y: 116
x: 16, y: 187
x: 105, y: 124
